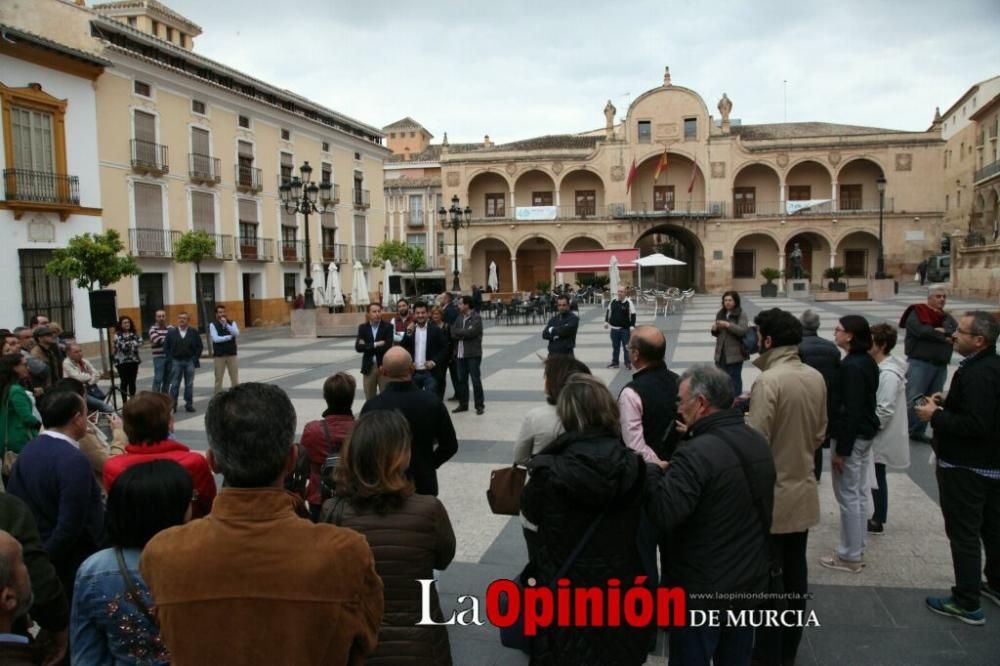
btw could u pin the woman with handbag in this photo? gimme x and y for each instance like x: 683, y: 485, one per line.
x: 112, y: 621
x: 583, y: 500
x: 730, y: 325
x: 126, y: 356
x: 17, y: 417
x: 410, y: 535
x: 541, y: 424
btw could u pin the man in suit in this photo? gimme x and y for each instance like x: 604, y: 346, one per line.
x: 373, y: 340
x: 434, y: 440
x: 427, y: 345
x: 183, y: 348
x: 55, y: 480
x: 561, y: 329
x: 467, y: 331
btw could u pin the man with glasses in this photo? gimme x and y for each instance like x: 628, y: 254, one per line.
x: 928, y: 350
x: 967, y: 443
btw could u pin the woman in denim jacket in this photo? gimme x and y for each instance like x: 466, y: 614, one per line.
x: 109, y: 625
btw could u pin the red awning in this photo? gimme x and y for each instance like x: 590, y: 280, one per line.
x: 595, y: 261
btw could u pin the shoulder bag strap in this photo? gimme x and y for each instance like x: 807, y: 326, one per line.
x: 338, y: 510
x: 132, y: 589
x: 757, y: 500
x: 326, y: 435
x: 578, y: 549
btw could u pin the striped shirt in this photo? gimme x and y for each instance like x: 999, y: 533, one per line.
x: 156, y: 337
x: 985, y: 472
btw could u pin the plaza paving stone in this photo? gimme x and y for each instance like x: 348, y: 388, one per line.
x: 876, y: 617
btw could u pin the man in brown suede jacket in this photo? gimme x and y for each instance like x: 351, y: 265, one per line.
x: 253, y: 583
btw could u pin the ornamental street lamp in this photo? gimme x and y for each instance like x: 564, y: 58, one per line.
x: 305, y: 197
x: 455, y: 218
x: 880, y: 269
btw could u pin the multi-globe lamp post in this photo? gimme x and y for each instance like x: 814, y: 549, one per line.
x: 455, y: 218
x: 880, y: 268
x: 301, y: 195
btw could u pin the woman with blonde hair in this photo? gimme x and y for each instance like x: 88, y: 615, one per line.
x: 410, y: 535
x: 584, y: 496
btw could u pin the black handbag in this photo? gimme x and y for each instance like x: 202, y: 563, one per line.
x: 514, y: 636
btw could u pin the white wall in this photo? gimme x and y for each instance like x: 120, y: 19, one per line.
x: 81, y: 161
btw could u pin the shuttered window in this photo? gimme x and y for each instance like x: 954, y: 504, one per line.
x: 145, y: 126
x: 203, y: 212
x: 200, y: 144
x: 328, y: 220
x: 148, y: 206
x: 32, y: 140
x: 359, y: 229
x: 287, y: 165
x: 248, y: 210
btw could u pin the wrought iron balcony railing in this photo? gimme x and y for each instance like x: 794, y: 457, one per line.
x: 149, y: 157
x: 249, y: 179
x: 204, y: 169
x: 42, y: 187
x: 253, y: 248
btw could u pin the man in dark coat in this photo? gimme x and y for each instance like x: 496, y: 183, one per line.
x: 449, y: 313
x: 967, y: 443
x: 428, y: 347
x: 715, y: 501
x: 434, y: 440
x: 467, y: 332
x: 928, y: 346
x: 560, y: 331
x: 822, y: 355
x: 373, y: 339
x: 182, y: 348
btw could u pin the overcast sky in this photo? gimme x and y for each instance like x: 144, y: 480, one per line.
x: 519, y: 68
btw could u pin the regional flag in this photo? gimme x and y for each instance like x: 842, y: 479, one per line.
x: 631, y: 176
x: 694, y: 173
x: 661, y: 166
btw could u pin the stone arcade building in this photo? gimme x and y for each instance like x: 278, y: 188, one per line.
x: 732, y: 200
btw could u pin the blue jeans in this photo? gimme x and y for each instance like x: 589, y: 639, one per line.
x: 922, y: 378
x: 619, y: 339
x: 183, y: 369
x: 161, y: 374
x: 425, y: 380
x: 469, y: 367
x: 735, y: 372
x: 700, y: 646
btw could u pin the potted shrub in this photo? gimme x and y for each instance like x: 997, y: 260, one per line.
x: 834, y: 273
x: 769, y: 289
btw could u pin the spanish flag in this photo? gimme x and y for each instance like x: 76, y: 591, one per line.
x: 661, y: 166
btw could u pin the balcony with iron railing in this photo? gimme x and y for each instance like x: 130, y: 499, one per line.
x: 363, y: 253
x: 223, y: 246
x: 249, y: 179
x: 149, y: 157
x: 987, y: 171
x: 152, y: 242
x: 668, y: 209
x: 204, y: 169
x: 27, y: 190
x: 292, y: 251
x: 362, y: 198
x: 843, y: 208
x: 253, y: 248
x: 336, y: 253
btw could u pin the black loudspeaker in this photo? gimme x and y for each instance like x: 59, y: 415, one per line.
x: 103, y: 308
x: 395, y: 284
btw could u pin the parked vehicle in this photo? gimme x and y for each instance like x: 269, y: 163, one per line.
x: 939, y: 268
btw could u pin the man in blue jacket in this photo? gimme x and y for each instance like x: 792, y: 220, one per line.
x: 54, y: 479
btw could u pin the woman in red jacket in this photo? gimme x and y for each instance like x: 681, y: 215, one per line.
x: 324, y: 437
x: 148, y: 421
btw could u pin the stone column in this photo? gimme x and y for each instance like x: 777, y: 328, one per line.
x: 513, y: 273
x: 833, y: 258
x: 510, y: 211
x: 781, y: 267
x: 835, y: 196
x: 781, y: 195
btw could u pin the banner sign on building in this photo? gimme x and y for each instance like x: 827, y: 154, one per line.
x: 793, y: 207
x: 535, y: 212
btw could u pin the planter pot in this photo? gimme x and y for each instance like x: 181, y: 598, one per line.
x: 837, y: 286
x: 769, y: 290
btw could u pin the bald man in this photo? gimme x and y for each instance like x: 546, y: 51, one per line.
x: 434, y: 440
x: 648, y: 404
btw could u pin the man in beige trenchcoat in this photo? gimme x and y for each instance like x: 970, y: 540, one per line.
x: 788, y: 406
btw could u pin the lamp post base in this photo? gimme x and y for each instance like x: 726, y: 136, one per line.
x: 454, y: 283
x: 308, y: 302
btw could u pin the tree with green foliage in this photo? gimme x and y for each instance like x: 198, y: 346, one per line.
x: 401, y: 255
x: 94, y: 262
x: 194, y: 247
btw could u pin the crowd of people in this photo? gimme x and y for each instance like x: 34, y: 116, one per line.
x: 124, y: 549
